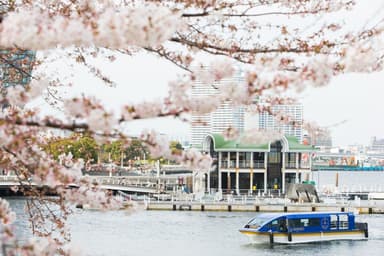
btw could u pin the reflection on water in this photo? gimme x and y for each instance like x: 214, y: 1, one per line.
x: 191, y: 233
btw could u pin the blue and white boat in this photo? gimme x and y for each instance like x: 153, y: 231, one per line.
x: 292, y: 228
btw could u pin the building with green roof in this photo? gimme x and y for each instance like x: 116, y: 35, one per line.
x: 248, y: 168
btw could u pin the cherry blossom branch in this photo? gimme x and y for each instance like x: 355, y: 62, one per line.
x: 162, y: 53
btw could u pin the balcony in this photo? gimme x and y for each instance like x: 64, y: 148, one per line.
x: 258, y: 164
x: 290, y: 165
x: 225, y: 165
x: 243, y: 164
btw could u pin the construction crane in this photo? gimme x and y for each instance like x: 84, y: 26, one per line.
x: 314, y: 130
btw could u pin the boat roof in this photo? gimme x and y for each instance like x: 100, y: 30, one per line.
x: 299, y: 214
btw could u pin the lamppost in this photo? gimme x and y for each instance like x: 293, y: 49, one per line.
x: 122, y: 159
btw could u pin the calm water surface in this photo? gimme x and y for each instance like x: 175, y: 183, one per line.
x: 184, y: 233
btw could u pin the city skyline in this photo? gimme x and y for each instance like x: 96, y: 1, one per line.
x: 350, y: 106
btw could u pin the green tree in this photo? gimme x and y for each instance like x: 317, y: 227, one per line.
x: 136, y: 150
x: 80, y: 146
x: 85, y: 147
x: 176, y: 147
x: 113, y: 151
x: 58, y: 146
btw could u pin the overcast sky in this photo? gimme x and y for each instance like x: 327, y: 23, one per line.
x: 356, y: 98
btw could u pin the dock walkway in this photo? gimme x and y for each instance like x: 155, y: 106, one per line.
x: 367, y: 207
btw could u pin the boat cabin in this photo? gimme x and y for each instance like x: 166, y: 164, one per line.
x: 316, y: 226
x: 310, y: 222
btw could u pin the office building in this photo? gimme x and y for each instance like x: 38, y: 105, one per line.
x: 294, y: 126
x: 217, y: 121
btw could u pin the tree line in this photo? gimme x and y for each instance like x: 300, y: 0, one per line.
x: 83, y: 146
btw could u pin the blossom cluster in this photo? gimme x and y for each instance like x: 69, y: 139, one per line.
x: 90, y: 195
x: 92, y: 112
x: 196, y: 160
x: 33, y: 28
x: 158, y: 145
x: 7, y: 216
x: 46, y: 246
x: 19, y: 95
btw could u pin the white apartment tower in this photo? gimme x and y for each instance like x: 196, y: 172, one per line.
x: 295, y: 114
x: 215, y: 122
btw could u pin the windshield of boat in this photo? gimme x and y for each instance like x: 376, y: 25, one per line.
x: 259, y: 220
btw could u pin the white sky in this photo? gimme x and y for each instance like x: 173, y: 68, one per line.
x: 356, y: 98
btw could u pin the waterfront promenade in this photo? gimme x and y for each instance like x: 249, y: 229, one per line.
x: 265, y: 204
x: 177, y: 200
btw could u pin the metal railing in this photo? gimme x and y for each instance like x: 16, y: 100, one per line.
x: 245, y: 164
x: 290, y: 165
x: 250, y: 192
x: 258, y: 164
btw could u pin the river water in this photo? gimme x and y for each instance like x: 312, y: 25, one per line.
x: 185, y: 233
x: 350, y: 180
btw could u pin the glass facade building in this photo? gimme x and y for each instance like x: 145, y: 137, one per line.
x: 217, y: 121
x: 16, y: 66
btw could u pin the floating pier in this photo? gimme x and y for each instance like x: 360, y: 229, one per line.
x: 236, y: 207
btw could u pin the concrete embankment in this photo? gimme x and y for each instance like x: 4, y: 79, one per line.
x: 292, y: 207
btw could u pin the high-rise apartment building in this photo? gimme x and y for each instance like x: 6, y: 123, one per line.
x: 15, y: 69
x: 228, y: 115
x: 294, y: 113
x: 225, y: 116
x: 15, y: 66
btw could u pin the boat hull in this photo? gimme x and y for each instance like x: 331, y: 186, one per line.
x: 295, y: 238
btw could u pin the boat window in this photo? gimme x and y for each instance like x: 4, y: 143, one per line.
x: 294, y: 223
x: 282, y: 225
x: 298, y: 223
x: 314, y: 222
x: 258, y: 221
x: 343, y: 221
x: 333, y: 221
x: 304, y: 222
x: 274, y: 225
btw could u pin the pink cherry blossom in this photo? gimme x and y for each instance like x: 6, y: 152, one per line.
x: 112, y: 27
